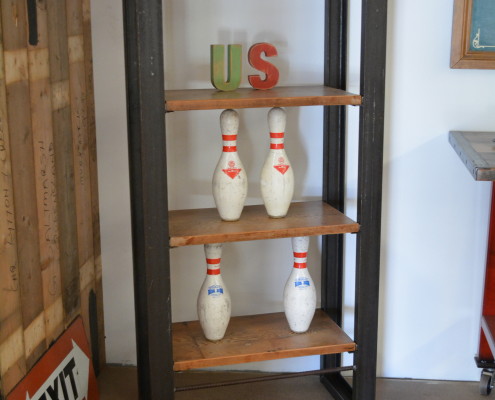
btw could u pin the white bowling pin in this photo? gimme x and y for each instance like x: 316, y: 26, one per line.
x: 229, y: 178
x: 213, y: 299
x: 299, y: 292
x: 277, y: 177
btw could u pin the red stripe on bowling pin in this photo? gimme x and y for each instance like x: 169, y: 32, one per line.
x: 229, y: 137
x: 229, y: 147
x: 277, y: 135
x: 300, y: 259
x: 213, y: 261
x: 213, y: 271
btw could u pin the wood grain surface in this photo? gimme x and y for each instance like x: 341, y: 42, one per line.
x: 46, y: 185
x: 256, y: 338
x: 477, y: 152
x: 64, y: 154
x: 14, y: 24
x: 210, y: 99
x: 82, y: 178
x: 50, y: 253
x: 201, y: 226
x: 93, y: 165
x: 12, y: 360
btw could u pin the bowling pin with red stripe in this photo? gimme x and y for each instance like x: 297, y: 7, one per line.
x: 229, y: 178
x: 299, y: 292
x: 213, y: 303
x: 277, y: 177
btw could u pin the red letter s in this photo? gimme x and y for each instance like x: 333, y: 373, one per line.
x: 254, y: 57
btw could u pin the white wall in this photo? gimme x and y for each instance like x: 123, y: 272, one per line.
x: 435, y: 215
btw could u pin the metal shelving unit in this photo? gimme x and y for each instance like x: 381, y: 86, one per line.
x: 150, y: 216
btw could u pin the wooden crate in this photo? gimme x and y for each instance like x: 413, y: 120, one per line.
x: 50, y: 255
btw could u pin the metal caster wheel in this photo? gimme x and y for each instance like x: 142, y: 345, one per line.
x: 486, y: 381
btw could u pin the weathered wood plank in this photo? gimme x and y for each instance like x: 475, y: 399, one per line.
x: 256, y: 338
x: 77, y: 79
x: 477, y: 152
x: 23, y: 172
x: 57, y: 39
x: 12, y: 360
x: 46, y: 187
x: 14, y: 24
x: 63, y: 149
x: 201, y: 226
x: 50, y: 256
x: 74, y: 17
x: 210, y: 99
x: 66, y: 210
x: 93, y: 164
x: 81, y: 163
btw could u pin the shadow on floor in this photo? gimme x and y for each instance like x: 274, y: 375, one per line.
x: 120, y: 383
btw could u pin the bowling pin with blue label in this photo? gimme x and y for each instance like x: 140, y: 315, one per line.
x: 277, y: 176
x: 229, y: 179
x: 299, y: 292
x: 213, y: 299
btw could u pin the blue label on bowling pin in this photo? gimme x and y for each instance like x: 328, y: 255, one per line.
x: 302, y: 282
x: 215, y: 290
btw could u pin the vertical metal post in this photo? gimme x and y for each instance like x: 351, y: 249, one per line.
x: 370, y: 164
x: 148, y: 174
x: 334, y: 145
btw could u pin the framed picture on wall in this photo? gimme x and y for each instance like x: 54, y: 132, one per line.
x: 473, y: 34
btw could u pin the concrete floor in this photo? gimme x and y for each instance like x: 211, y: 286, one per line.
x: 120, y: 383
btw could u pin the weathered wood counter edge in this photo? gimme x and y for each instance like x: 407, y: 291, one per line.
x: 467, y: 144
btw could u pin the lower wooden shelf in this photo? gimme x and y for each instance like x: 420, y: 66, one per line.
x: 256, y: 338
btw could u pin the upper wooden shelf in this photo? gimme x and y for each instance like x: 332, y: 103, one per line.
x: 293, y: 96
x: 256, y: 338
x: 310, y: 218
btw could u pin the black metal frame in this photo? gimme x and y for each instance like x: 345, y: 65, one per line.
x: 370, y: 159
x: 264, y: 378
x: 149, y: 210
x: 334, y: 145
x: 148, y: 174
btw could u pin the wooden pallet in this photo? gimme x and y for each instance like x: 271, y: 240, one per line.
x: 50, y: 255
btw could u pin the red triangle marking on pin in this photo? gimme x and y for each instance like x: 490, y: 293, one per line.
x: 232, y: 172
x: 281, y: 168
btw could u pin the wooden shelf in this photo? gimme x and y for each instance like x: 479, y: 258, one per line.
x: 212, y: 99
x: 256, y: 338
x: 201, y: 226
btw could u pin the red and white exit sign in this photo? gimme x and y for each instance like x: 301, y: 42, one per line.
x: 65, y: 372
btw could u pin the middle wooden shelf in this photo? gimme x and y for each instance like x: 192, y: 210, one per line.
x: 307, y: 218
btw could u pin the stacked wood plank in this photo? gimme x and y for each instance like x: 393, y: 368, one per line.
x: 50, y: 263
